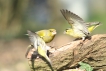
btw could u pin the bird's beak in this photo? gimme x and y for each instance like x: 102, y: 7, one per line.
x: 26, y: 34
x: 54, y: 32
x: 64, y: 32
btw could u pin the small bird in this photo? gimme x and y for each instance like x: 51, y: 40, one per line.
x: 79, y: 28
x: 47, y: 35
x: 40, y: 46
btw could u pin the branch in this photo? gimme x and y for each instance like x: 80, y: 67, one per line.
x: 92, y: 51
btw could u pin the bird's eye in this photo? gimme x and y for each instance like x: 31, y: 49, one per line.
x: 51, y: 31
x: 67, y: 29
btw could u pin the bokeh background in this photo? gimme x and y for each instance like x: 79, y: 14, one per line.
x: 17, y: 16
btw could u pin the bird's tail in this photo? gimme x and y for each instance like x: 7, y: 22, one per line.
x: 88, y: 24
x: 48, y: 61
x: 93, y: 25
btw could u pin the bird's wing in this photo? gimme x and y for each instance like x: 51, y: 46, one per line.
x: 70, y: 17
x: 37, y: 40
x: 33, y: 38
x: 81, y: 26
x: 41, y: 43
x: 43, y: 54
x: 75, y: 21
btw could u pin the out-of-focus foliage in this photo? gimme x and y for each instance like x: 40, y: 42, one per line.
x: 85, y: 66
x: 11, y: 15
x: 17, y: 16
x: 98, y: 13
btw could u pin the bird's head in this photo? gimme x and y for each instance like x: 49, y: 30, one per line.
x: 53, y: 31
x: 68, y: 31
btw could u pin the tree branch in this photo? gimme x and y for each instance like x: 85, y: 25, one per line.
x: 92, y: 51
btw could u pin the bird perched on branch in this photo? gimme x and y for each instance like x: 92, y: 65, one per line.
x: 40, y: 46
x: 47, y: 35
x: 79, y: 28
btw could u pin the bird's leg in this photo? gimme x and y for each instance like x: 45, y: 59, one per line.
x: 31, y: 64
x: 53, y: 45
x: 82, y: 41
x: 83, y: 38
x: 32, y: 60
x: 31, y: 55
x: 48, y: 53
x: 51, y: 51
x: 88, y: 37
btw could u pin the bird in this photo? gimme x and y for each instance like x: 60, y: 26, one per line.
x: 40, y: 46
x: 79, y: 28
x: 47, y: 35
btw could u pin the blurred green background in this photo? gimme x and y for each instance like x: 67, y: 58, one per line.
x: 18, y: 16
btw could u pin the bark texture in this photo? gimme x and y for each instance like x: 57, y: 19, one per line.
x: 91, y: 51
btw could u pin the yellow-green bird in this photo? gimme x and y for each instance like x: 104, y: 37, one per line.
x: 47, y: 35
x: 40, y: 46
x: 79, y: 28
